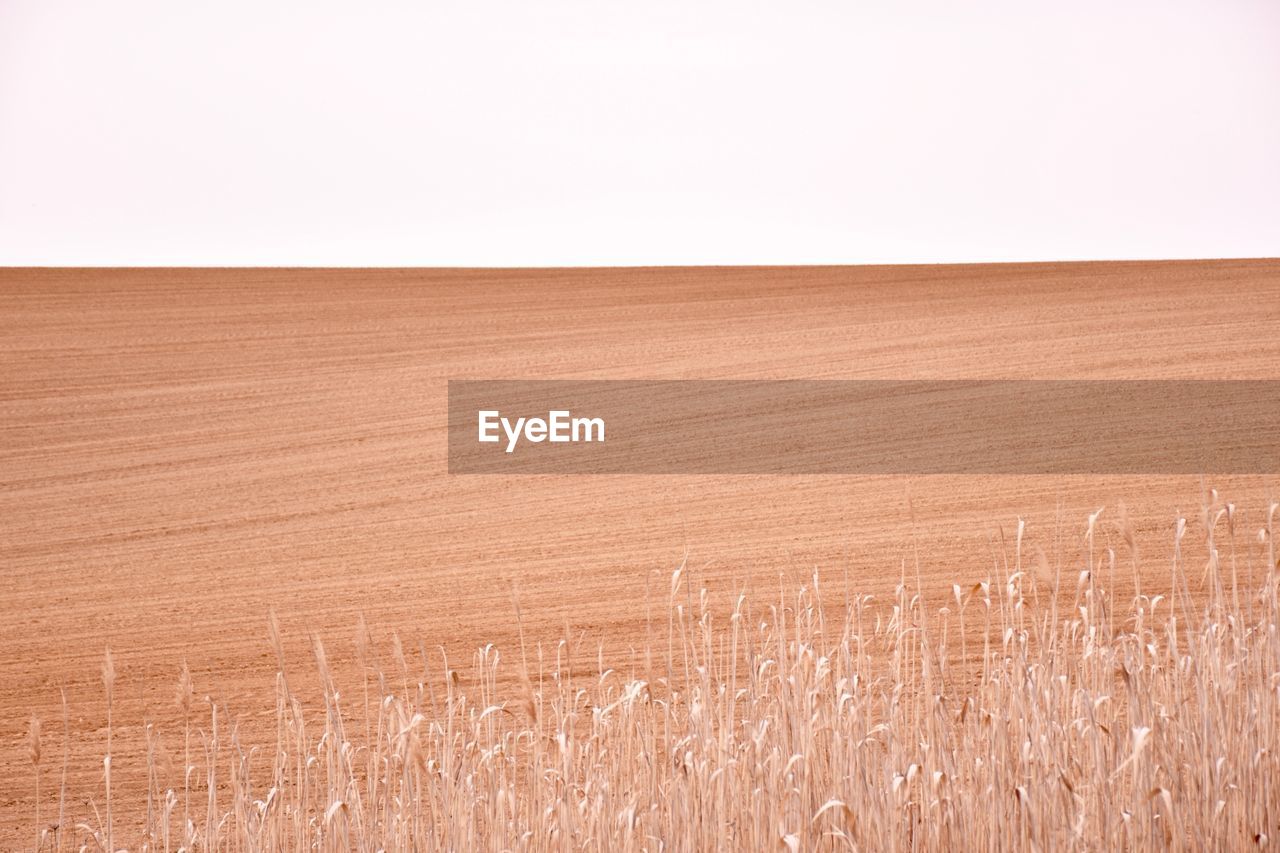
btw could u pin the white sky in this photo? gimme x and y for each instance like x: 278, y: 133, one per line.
x: 500, y: 133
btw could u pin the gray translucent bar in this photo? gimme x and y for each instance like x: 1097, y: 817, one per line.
x: 869, y: 427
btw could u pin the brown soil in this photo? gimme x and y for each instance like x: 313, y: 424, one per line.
x: 184, y: 450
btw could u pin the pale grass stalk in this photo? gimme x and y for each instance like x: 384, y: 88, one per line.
x: 34, y: 753
x: 108, y: 682
x: 66, y: 764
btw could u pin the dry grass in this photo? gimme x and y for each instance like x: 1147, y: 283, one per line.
x: 1034, y: 711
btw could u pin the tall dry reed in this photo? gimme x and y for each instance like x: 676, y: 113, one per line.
x: 1031, y: 711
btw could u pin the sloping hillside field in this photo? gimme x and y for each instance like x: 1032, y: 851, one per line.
x: 184, y: 453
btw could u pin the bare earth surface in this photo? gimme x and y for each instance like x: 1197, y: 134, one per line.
x: 181, y: 451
